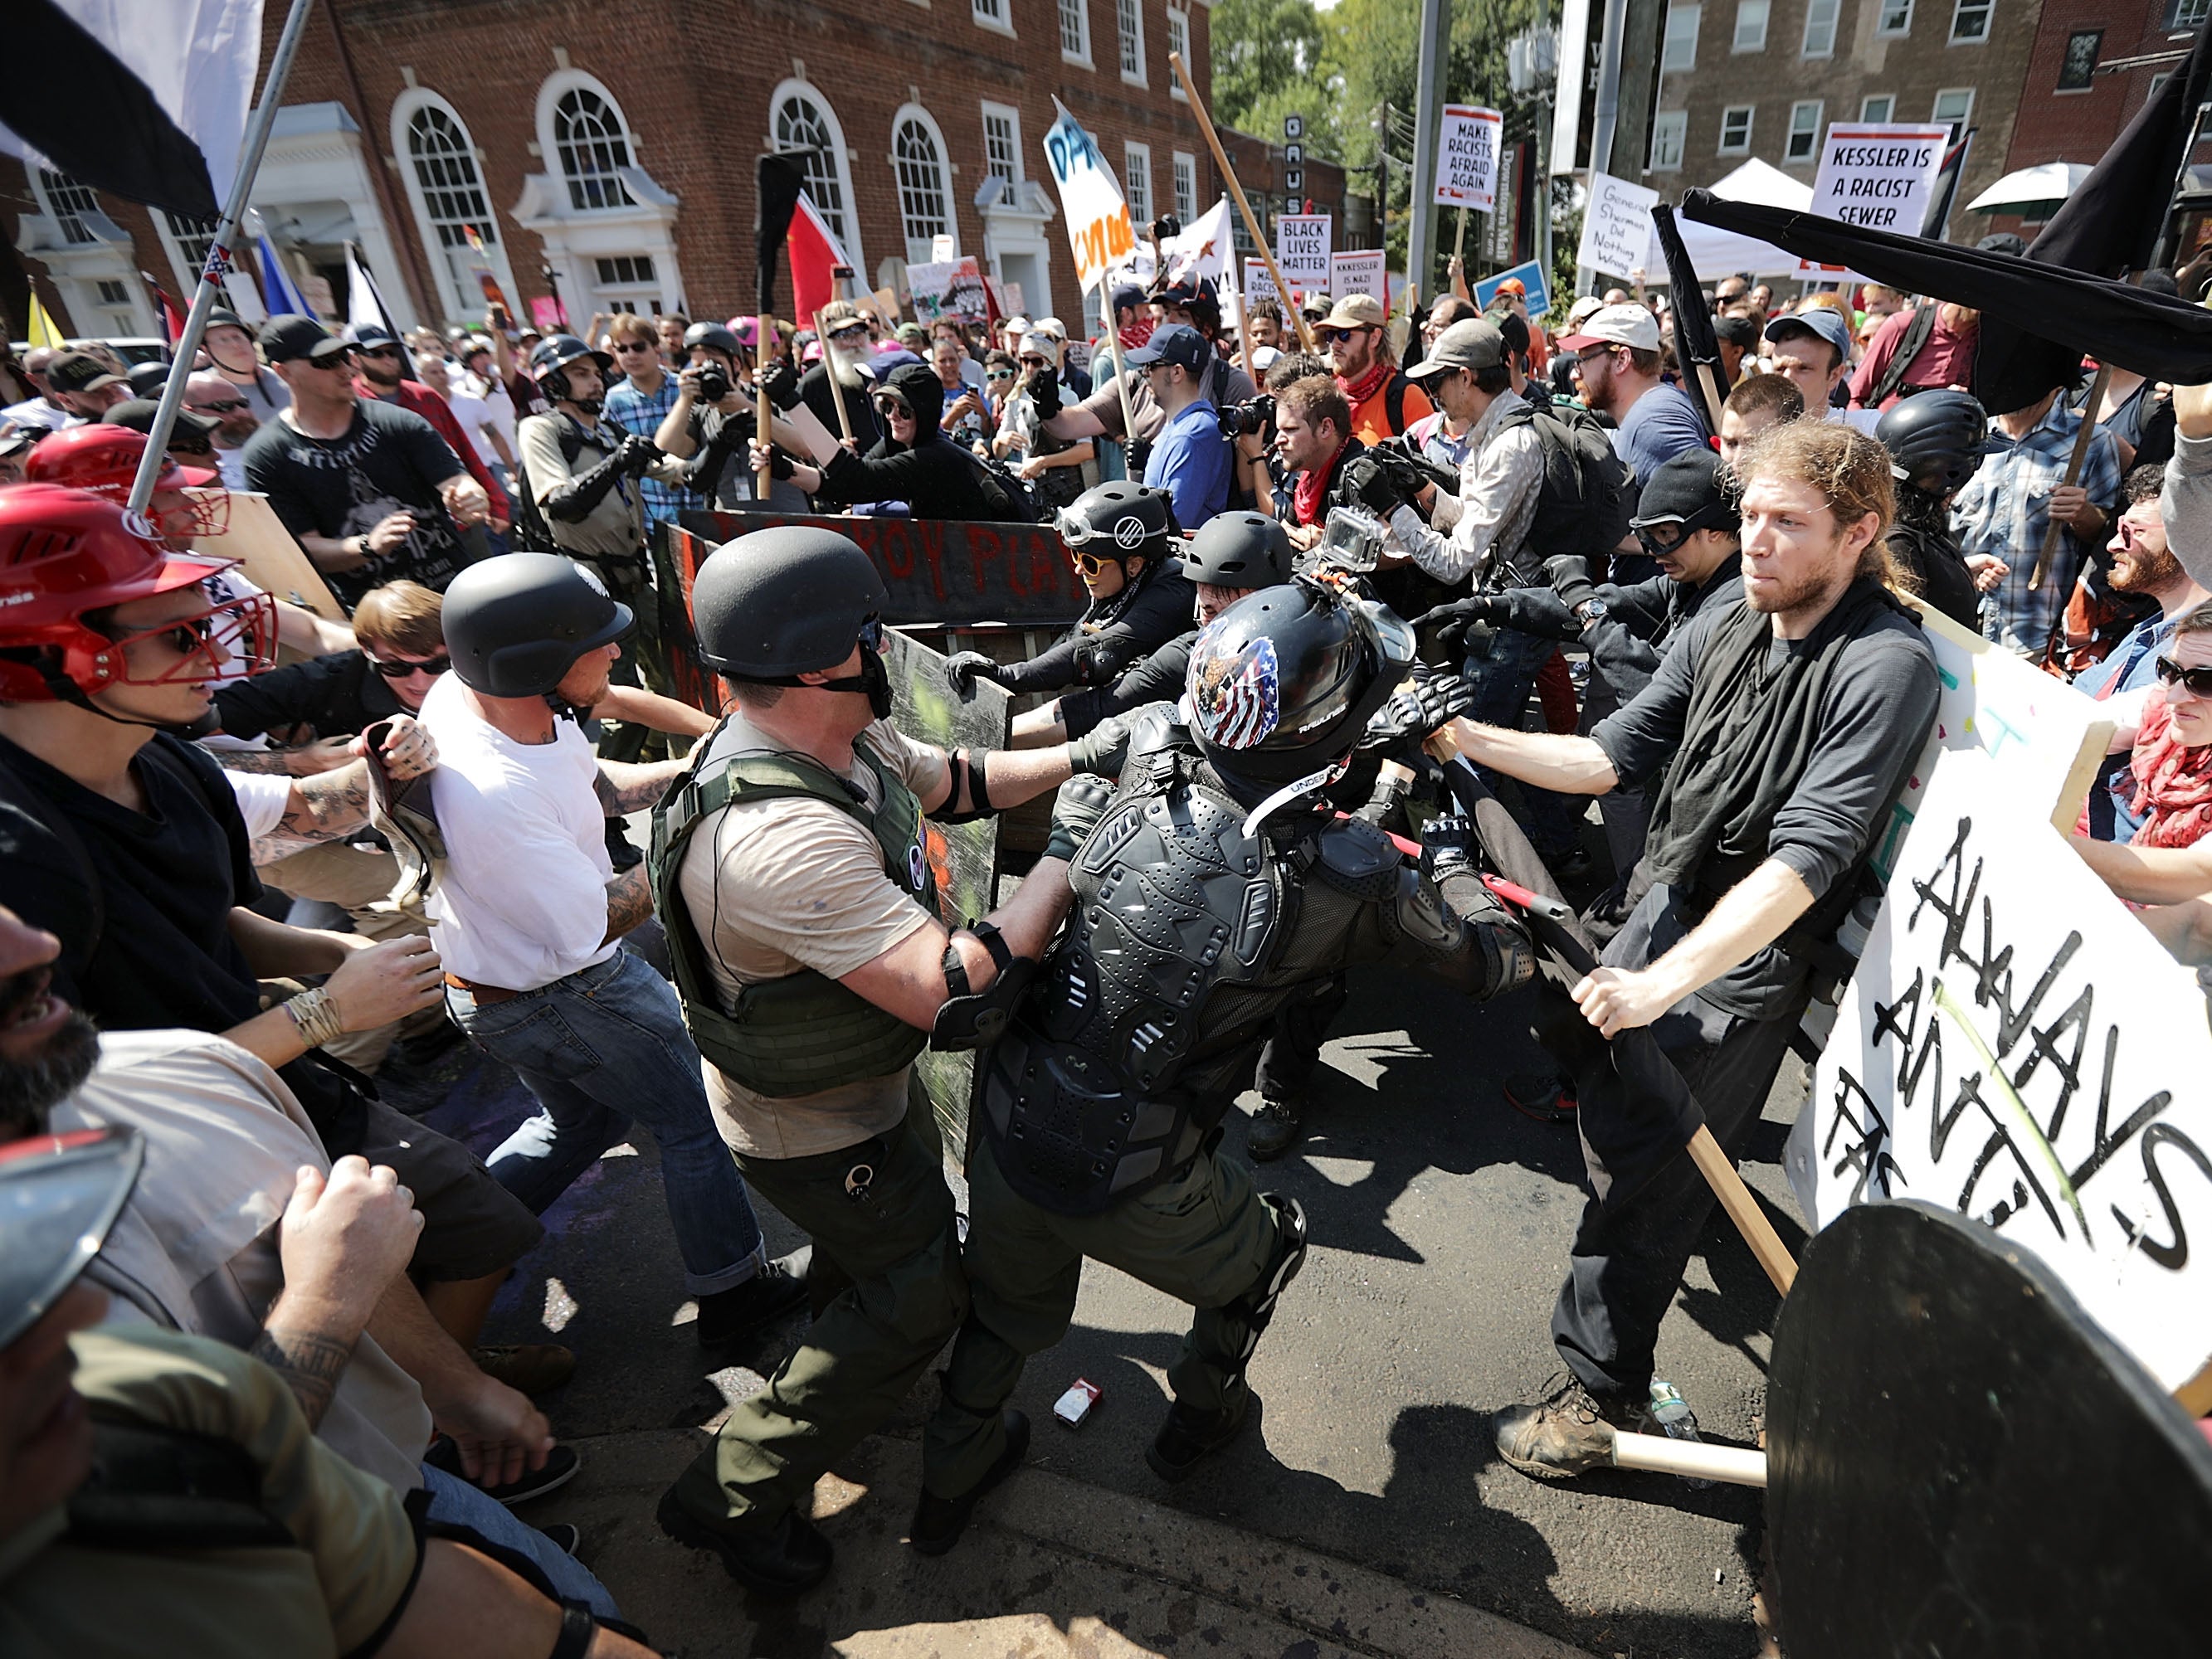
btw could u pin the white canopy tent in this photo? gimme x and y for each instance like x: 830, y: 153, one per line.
x: 1716, y: 253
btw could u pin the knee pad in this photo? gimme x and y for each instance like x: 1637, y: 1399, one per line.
x: 1256, y: 1307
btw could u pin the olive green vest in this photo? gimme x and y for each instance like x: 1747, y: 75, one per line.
x: 805, y: 1032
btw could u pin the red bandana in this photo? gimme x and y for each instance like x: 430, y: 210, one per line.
x: 2173, y: 784
x: 1356, y: 392
x: 1307, y: 492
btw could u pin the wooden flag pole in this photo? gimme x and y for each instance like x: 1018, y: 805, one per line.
x: 763, y: 420
x: 1459, y: 238
x: 1229, y: 174
x: 2054, y: 528
x: 837, y: 391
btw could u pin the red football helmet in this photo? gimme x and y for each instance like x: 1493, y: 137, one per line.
x: 67, y: 552
x: 105, y: 460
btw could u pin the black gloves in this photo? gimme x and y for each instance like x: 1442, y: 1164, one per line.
x: 1375, y: 487
x: 1414, y: 711
x: 779, y: 465
x: 964, y: 668
x: 1570, y: 579
x: 781, y: 381
x: 1448, y: 845
x: 1076, y: 812
x: 637, y: 454
x: 1105, y: 746
x: 1452, y: 621
x: 574, y: 502
x: 1140, y: 452
x: 1044, y: 393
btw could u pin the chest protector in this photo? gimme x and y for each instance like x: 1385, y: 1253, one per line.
x: 805, y: 1032
x: 1187, y: 934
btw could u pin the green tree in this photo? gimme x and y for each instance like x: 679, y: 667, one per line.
x: 1267, y: 64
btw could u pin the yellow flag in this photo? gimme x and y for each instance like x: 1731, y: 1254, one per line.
x: 42, y: 330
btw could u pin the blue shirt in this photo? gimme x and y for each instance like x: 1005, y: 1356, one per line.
x: 638, y: 411
x: 1659, y: 426
x: 2132, y: 665
x: 1190, y: 461
x: 2004, y: 509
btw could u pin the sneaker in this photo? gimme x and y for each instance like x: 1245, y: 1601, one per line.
x: 1188, y: 1436
x: 1277, y: 1126
x: 730, y: 1319
x: 1542, y: 1096
x: 531, y: 1368
x: 1566, y: 1433
x: 783, y: 1559
x: 938, y: 1521
x: 560, y: 1466
x: 565, y: 1535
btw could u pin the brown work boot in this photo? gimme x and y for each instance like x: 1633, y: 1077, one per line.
x: 1566, y: 1433
x: 531, y: 1368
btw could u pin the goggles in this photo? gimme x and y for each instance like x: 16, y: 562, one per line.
x: 1660, y: 537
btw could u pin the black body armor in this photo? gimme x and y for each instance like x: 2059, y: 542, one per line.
x: 1187, y: 935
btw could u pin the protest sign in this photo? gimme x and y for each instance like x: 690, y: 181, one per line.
x: 2016, y: 1048
x: 1617, y: 226
x: 1301, y: 250
x: 952, y: 288
x: 269, y: 557
x: 1258, y: 284
x: 1878, y: 174
x: 1357, y: 271
x: 1531, y: 277
x: 1098, y: 228
x: 1467, y: 157
x: 1202, y: 252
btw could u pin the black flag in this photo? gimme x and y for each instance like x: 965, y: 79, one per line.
x: 1947, y: 187
x: 780, y: 178
x: 1695, y: 346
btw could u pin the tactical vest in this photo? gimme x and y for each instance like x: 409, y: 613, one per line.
x: 805, y: 1032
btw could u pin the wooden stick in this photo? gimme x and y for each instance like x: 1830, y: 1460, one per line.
x: 1121, y: 373
x: 1695, y: 1458
x: 1712, y: 392
x: 1459, y: 238
x: 2196, y: 1395
x: 763, y: 421
x: 1743, y: 1209
x: 837, y: 391
x: 2055, y: 527
x: 1229, y: 174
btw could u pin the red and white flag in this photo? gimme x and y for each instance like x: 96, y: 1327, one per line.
x: 815, y: 254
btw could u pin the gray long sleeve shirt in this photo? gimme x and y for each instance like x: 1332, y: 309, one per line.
x: 1484, y: 531
x: 2186, y: 506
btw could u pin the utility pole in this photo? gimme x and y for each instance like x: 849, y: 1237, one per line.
x: 1428, y: 120
x: 1382, y: 186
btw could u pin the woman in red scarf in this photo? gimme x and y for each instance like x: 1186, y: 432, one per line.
x: 2170, y: 859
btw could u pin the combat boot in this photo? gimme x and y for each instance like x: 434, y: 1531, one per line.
x: 1569, y: 1432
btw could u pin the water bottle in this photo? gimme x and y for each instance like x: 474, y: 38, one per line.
x: 1673, y: 1415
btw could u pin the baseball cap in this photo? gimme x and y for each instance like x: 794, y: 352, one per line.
x: 1469, y: 344
x: 1172, y: 343
x: 1582, y: 310
x: 1630, y: 325
x: 288, y: 339
x: 370, y: 335
x: 80, y: 371
x: 1514, y: 285
x: 1822, y: 320
x: 1689, y: 489
x: 1051, y: 327
x: 1127, y: 294
x: 1738, y: 331
x: 1356, y: 311
x: 1315, y: 307
x: 138, y: 415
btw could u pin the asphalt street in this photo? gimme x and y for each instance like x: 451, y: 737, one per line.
x: 1440, y: 1219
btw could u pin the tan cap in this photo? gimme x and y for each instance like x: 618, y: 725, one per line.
x: 1470, y: 342
x: 1356, y: 311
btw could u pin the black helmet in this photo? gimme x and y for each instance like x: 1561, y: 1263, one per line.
x: 554, y: 354
x: 1281, y: 684
x: 1938, y: 438
x: 714, y: 337
x: 224, y: 317
x: 790, y: 600
x: 1238, y: 549
x: 1118, y: 520
x: 515, y: 624
x: 61, y: 1192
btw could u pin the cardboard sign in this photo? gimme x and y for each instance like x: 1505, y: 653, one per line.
x: 1879, y: 174
x: 1617, y: 226
x: 1357, y: 271
x: 1258, y: 284
x: 1532, y: 277
x: 953, y: 288
x: 1301, y: 250
x: 2016, y: 1048
x: 1098, y: 228
x: 1467, y: 157
x: 269, y: 557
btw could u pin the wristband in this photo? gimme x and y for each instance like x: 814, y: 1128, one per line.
x: 316, y: 1013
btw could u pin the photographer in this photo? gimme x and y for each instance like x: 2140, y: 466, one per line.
x: 715, y: 418
x: 1054, y: 467
x: 584, y: 474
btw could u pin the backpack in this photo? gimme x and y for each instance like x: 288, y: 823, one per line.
x: 531, y: 532
x: 1589, y: 491
x: 1916, y: 335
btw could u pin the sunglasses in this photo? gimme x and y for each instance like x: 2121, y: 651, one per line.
x: 1339, y: 336
x: 1036, y: 363
x: 890, y: 406
x: 872, y: 634
x: 2197, y: 681
x: 626, y: 346
x: 1000, y: 375
x: 228, y: 406
x: 400, y: 669
x: 379, y: 351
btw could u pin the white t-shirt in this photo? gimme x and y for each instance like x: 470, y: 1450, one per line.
x: 476, y: 420
x: 262, y: 798
x: 523, y: 901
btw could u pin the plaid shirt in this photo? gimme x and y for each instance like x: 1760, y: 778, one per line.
x: 2004, y: 509
x: 643, y: 412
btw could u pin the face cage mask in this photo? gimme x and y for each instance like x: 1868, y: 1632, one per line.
x: 231, y: 636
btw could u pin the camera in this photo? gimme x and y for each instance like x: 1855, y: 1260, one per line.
x: 713, y: 383
x: 1167, y: 228
x: 1352, y: 539
x: 1248, y: 420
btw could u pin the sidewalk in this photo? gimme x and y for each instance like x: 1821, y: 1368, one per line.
x: 1049, y: 1567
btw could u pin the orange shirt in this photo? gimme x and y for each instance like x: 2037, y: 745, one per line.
x: 1370, y: 420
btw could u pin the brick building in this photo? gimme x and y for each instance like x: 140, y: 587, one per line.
x: 604, y: 152
x: 1765, y: 78
x: 2092, y: 69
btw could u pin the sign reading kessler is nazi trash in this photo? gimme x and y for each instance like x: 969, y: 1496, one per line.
x: 1467, y: 157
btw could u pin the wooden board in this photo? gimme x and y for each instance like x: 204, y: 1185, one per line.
x: 269, y: 557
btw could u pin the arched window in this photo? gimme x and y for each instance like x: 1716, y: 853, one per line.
x: 592, y: 142
x: 445, y: 165
x: 802, y: 121
x: 70, y: 203
x: 918, y: 155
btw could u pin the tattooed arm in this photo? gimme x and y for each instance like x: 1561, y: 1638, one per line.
x: 625, y: 788
x: 331, y: 804
x: 629, y: 901
x: 346, y: 1237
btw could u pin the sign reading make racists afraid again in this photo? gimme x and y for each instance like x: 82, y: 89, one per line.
x: 1467, y: 157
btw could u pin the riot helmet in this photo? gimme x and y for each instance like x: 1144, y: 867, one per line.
x: 515, y: 624
x: 1118, y: 521
x: 772, y: 605
x: 549, y: 365
x: 61, y: 1192
x: 1282, y: 683
x: 714, y: 337
x: 1238, y: 549
x: 1938, y: 439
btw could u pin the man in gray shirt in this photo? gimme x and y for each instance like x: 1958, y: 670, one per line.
x: 1788, y: 725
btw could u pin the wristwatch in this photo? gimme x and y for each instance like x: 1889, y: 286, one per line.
x: 956, y: 970
x: 1591, y: 610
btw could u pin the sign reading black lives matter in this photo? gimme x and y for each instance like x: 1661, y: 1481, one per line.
x: 2016, y: 1048
x: 1301, y: 251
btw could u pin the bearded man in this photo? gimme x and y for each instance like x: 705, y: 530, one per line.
x: 846, y: 348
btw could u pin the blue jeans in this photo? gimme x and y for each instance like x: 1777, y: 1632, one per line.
x: 456, y: 1502
x: 1502, y: 682
x: 604, y: 1045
